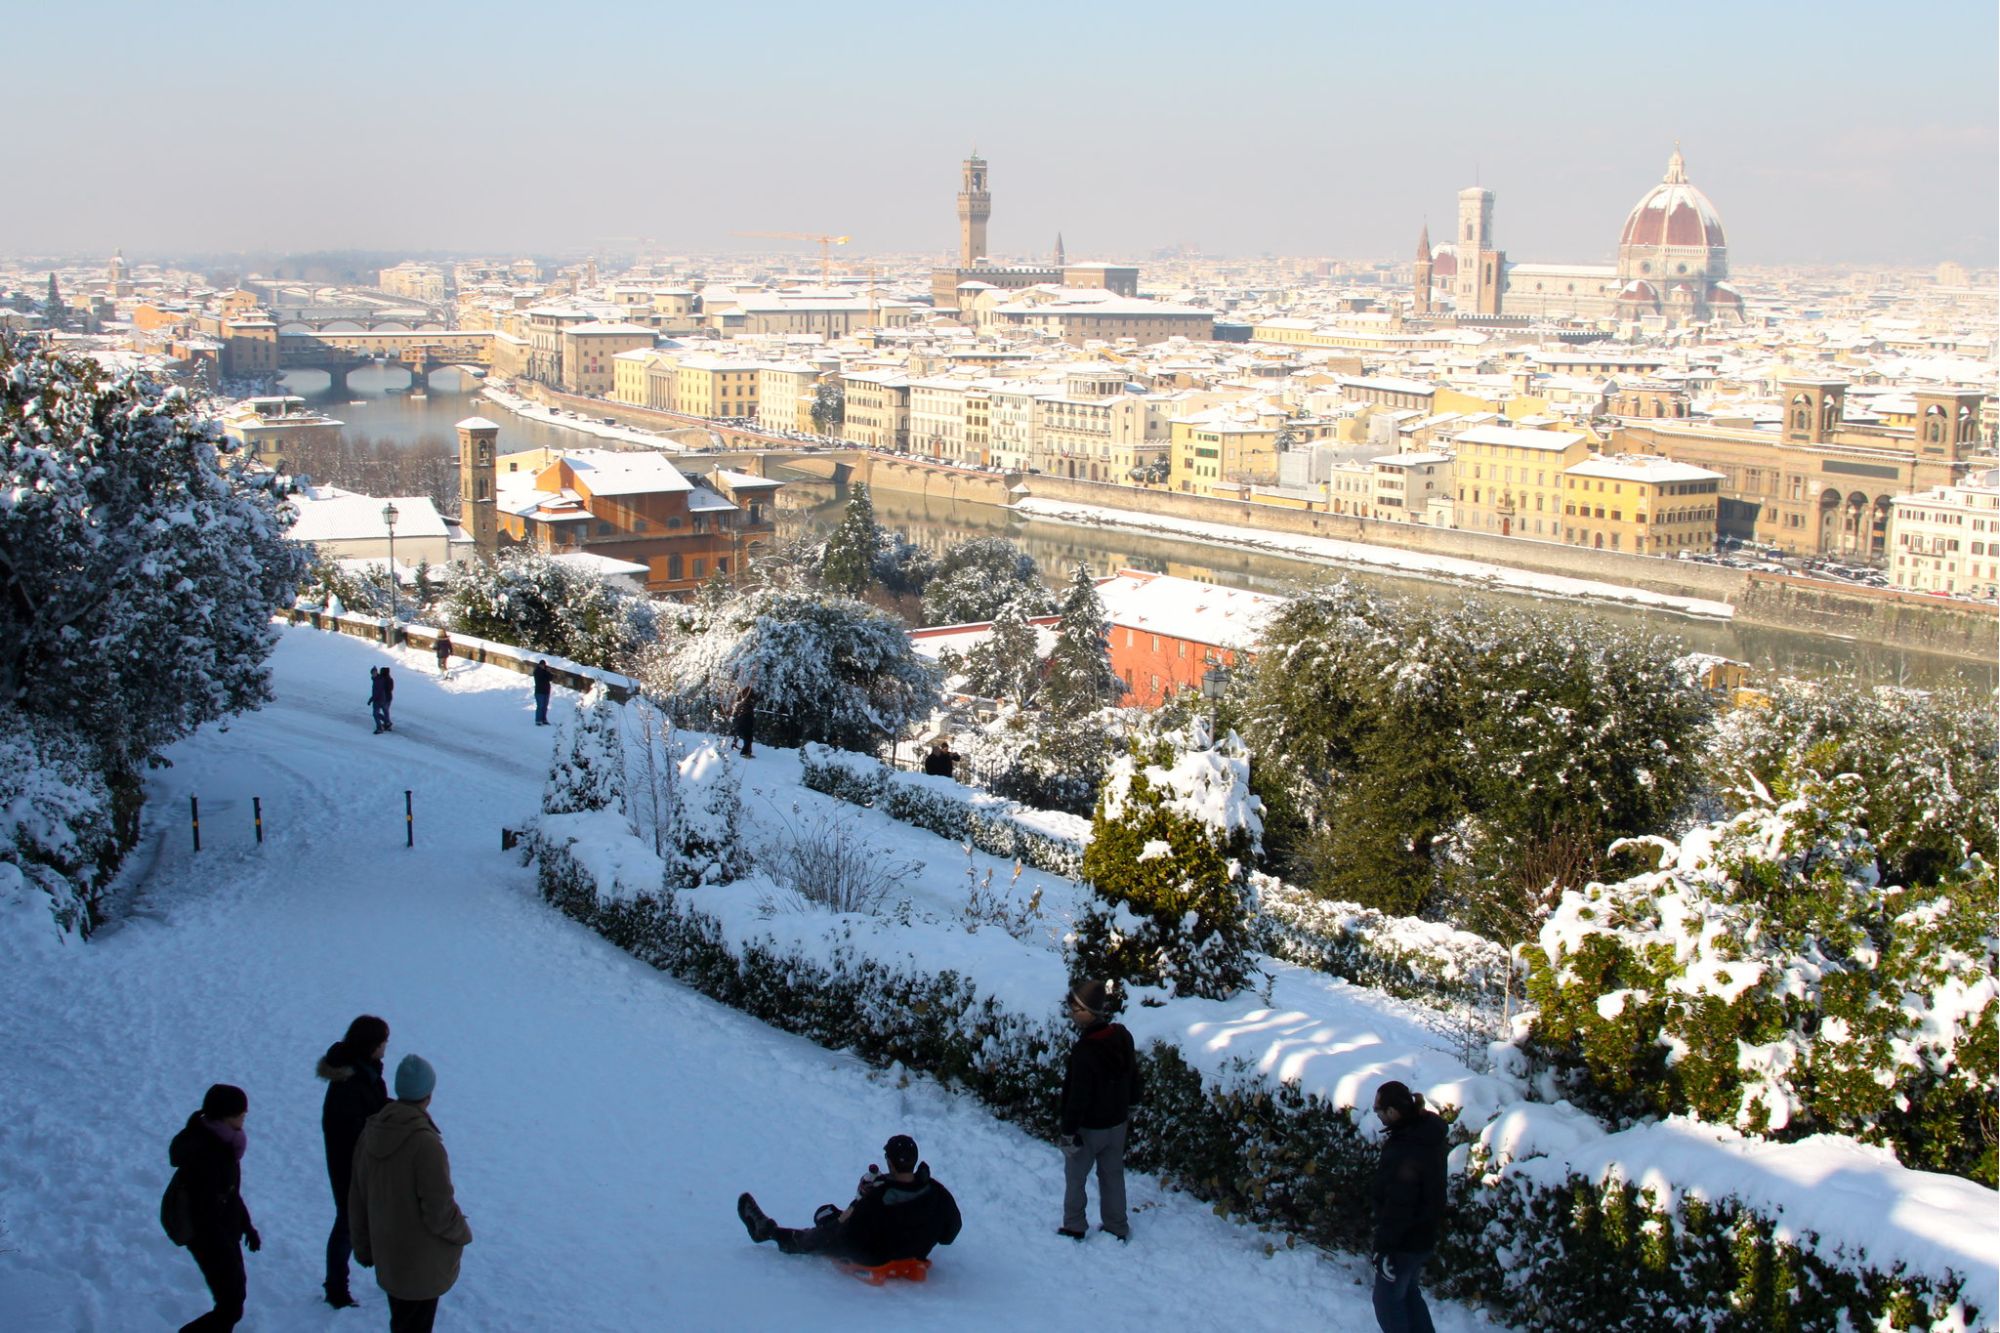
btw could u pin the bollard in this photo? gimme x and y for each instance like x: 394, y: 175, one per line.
x: 194, y: 819
x: 409, y: 821
x: 257, y: 810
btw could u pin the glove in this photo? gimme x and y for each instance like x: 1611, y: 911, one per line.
x: 1383, y: 1272
x: 254, y: 1241
x: 1072, y: 1145
x: 869, y: 1179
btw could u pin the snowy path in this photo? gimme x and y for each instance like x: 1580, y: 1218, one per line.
x: 601, y: 1117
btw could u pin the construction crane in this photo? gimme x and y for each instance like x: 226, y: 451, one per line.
x: 825, y: 243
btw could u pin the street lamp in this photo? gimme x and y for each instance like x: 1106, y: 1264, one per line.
x: 389, y: 522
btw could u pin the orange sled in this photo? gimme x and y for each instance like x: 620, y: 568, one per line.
x: 909, y: 1270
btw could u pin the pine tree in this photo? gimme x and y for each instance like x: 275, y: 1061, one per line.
x: 1007, y: 664
x: 848, y: 562
x: 589, y: 768
x: 978, y: 577
x: 1080, y: 678
x: 53, y: 310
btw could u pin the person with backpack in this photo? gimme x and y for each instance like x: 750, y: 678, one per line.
x: 352, y: 1068
x: 902, y: 1215
x: 1409, y: 1196
x: 401, y: 1210
x: 203, y: 1208
x: 1101, y: 1085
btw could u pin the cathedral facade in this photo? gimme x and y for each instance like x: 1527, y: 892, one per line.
x: 1672, y: 269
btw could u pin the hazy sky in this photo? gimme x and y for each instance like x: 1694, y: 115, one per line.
x: 1824, y: 132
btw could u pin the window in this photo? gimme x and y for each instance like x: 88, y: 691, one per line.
x: 700, y: 568
x: 603, y: 528
x: 674, y: 569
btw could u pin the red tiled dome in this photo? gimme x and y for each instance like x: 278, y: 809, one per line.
x: 1674, y: 213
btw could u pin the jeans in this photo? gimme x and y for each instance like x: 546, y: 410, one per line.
x: 381, y: 712
x: 1399, y: 1306
x: 1105, y: 1150
x: 221, y: 1264
x: 541, y: 709
x: 337, y: 1249
x: 412, y: 1316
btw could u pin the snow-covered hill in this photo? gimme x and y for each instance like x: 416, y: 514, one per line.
x: 601, y: 1117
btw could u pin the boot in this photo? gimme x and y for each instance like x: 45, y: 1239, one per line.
x: 339, y: 1297
x: 760, y: 1227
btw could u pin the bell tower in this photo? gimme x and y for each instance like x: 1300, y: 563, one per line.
x: 479, y: 515
x: 975, y: 205
x: 1420, y: 289
x: 1477, y: 287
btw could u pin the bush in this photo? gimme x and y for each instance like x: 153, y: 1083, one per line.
x: 588, y: 772
x: 545, y: 605
x: 56, y: 818
x: 824, y: 860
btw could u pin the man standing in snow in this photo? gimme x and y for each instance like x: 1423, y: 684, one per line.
x: 405, y: 1221
x: 903, y: 1215
x: 444, y: 651
x: 743, y: 719
x: 1409, y: 1206
x: 352, y: 1068
x: 1100, y: 1087
x: 207, y: 1156
x: 378, y: 699
x: 388, y: 697
x: 544, y: 681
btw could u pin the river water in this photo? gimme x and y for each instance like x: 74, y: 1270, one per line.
x: 370, y: 407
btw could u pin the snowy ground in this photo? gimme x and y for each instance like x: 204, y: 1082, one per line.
x: 601, y: 1117
x: 1330, y: 550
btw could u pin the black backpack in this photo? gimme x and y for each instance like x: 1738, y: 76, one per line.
x: 177, y: 1211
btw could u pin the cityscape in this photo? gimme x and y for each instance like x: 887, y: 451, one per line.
x: 1239, y: 636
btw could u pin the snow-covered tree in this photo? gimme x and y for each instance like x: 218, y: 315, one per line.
x: 829, y: 407
x: 823, y: 668
x: 1080, y: 679
x: 545, y: 605
x: 848, y: 562
x: 139, y: 564
x: 55, y: 817
x: 1007, y: 664
x: 978, y: 577
x: 54, y: 312
x: 705, y: 843
x: 588, y: 770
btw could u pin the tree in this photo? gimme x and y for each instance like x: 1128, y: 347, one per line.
x: 530, y: 600
x: 1007, y: 664
x: 829, y: 407
x: 139, y: 563
x: 1080, y: 678
x: 588, y: 772
x: 979, y: 576
x: 847, y: 564
x: 54, y: 312
x: 824, y: 668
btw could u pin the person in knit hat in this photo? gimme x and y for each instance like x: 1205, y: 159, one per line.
x: 901, y: 1215
x: 207, y: 1192
x: 1101, y: 1085
x: 1409, y: 1198
x: 401, y: 1211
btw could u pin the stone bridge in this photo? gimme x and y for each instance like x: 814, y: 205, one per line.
x: 418, y: 352
x: 357, y: 319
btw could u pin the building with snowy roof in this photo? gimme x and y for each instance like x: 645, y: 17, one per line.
x: 346, y: 525
x: 1640, y: 503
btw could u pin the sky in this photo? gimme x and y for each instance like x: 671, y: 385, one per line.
x: 1830, y: 133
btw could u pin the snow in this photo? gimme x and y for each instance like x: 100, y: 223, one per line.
x: 1330, y: 550
x: 601, y: 1117
x: 629, y: 435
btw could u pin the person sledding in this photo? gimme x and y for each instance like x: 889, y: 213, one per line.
x: 895, y: 1221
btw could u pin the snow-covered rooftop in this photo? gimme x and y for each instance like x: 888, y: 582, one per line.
x: 1187, y: 609
x: 329, y: 514
x: 1640, y: 467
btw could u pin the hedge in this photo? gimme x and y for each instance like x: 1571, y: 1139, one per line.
x: 1580, y: 1255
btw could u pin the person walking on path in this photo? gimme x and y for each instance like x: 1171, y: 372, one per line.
x: 207, y: 1156
x: 1409, y: 1197
x: 405, y: 1220
x: 352, y: 1068
x: 743, y: 719
x: 903, y: 1215
x: 378, y: 699
x: 388, y: 697
x: 1100, y: 1087
x: 444, y: 651
x: 544, y: 681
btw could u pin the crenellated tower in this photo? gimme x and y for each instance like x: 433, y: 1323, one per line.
x: 975, y: 205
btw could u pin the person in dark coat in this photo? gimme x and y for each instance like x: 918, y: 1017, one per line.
x: 940, y: 761
x: 352, y: 1068
x: 208, y: 1155
x: 544, y: 682
x: 1409, y: 1200
x: 444, y: 651
x: 902, y: 1215
x: 1100, y: 1087
x: 743, y: 719
x: 378, y: 699
x: 388, y: 697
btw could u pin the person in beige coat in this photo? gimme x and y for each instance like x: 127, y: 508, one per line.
x: 404, y: 1220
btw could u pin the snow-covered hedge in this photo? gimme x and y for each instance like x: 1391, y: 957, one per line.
x: 1559, y: 1251
x: 1043, y: 839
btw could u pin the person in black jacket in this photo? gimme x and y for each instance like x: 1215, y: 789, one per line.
x: 903, y: 1215
x: 207, y: 1154
x: 352, y: 1068
x: 545, y: 681
x: 1100, y: 1087
x: 1409, y: 1206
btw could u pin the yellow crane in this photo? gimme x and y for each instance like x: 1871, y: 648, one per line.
x: 825, y: 243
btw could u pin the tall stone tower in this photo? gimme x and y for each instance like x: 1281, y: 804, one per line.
x: 975, y: 205
x: 1420, y: 290
x: 479, y: 515
x: 1477, y: 287
x: 1062, y: 259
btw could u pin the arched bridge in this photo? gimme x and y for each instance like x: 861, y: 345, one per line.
x: 420, y: 353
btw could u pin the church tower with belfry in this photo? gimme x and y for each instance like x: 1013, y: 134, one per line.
x: 1480, y: 266
x: 478, y: 473
x: 975, y: 205
x: 1420, y: 289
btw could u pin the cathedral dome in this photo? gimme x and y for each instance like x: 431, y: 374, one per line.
x: 1674, y: 213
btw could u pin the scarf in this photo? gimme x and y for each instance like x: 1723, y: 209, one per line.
x: 237, y: 1139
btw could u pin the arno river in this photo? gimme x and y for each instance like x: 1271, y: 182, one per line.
x: 368, y: 409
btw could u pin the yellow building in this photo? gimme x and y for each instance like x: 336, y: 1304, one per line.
x: 628, y: 376
x: 1211, y: 454
x: 785, y: 392
x: 1510, y: 481
x: 1639, y: 503
x: 878, y: 409
x: 589, y: 354
x: 713, y: 386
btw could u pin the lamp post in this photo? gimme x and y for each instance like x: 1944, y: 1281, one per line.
x: 389, y: 522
